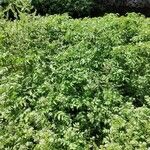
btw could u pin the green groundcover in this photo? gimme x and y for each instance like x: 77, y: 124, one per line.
x: 75, y: 84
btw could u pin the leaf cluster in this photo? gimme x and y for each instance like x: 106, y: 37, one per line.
x: 75, y: 84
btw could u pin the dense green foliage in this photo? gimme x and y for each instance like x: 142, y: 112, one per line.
x: 75, y: 8
x: 11, y: 9
x: 78, y: 84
